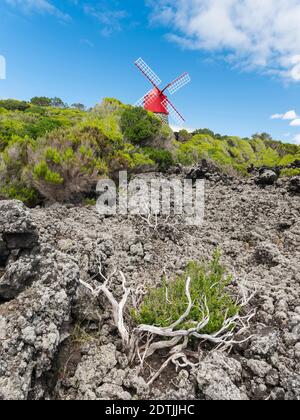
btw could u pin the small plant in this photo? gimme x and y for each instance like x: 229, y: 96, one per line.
x: 194, y: 308
x: 90, y: 201
x: 165, y: 305
x: 20, y: 192
x: 290, y: 172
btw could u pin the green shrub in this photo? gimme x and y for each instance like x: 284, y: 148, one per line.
x: 42, y: 127
x: 90, y: 201
x: 139, y: 125
x: 68, y: 163
x: 234, y: 152
x: 14, y: 105
x: 41, y: 101
x: 165, y: 305
x: 290, y: 172
x: 184, y: 136
x: 29, y: 196
x: 108, y: 107
x: 163, y: 158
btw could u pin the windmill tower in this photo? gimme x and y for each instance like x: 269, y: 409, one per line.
x: 156, y: 99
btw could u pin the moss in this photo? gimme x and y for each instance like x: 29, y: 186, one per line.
x: 166, y: 304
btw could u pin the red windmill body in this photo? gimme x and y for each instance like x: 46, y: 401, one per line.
x: 156, y: 100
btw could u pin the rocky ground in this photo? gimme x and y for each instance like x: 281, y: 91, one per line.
x: 56, y: 342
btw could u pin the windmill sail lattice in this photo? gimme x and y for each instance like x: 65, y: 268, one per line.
x: 148, y: 72
x: 179, y: 83
x: 156, y: 99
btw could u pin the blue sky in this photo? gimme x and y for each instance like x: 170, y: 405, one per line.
x: 83, y: 51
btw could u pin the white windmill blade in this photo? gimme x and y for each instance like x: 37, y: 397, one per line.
x: 146, y: 99
x: 148, y: 72
x: 175, y: 115
x: 179, y: 83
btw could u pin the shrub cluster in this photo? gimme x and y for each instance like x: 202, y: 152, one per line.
x: 59, y: 154
x: 164, y: 305
x: 51, y: 151
x: 236, y: 153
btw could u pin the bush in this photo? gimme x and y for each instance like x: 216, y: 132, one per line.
x: 184, y: 136
x: 108, y: 107
x: 163, y: 158
x: 290, y: 172
x: 165, y: 305
x: 20, y: 192
x: 41, y: 101
x: 139, y: 125
x: 234, y: 152
x: 14, y: 105
x: 42, y: 127
x: 67, y: 164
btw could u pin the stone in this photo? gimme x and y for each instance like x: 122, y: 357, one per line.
x: 21, y: 240
x: 264, y: 344
x: 42, y: 358
x: 267, y: 177
x: 294, y: 184
x: 137, y: 250
x: 297, y: 351
x: 218, y: 376
x: 267, y: 253
x: 18, y: 275
x: 4, y: 253
x: 259, y: 367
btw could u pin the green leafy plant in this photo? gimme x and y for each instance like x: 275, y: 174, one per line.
x: 290, y: 172
x: 163, y: 158
x: 15, y: 191
x: 139, y: 125
x: 14, y: 105
x: 166, y: 304
x: 41, y: 101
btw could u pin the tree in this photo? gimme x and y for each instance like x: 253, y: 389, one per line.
x: 41, y: 101
x: 78, y: 106
x: 58, y: 103
x: 262, y: 136
x: 204, y: 131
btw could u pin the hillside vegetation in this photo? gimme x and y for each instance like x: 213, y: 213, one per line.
x: 51, y: 151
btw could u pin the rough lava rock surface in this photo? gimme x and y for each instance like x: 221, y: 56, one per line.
x: 56, y: 342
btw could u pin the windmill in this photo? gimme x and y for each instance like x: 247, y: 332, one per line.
x: 156, y: 99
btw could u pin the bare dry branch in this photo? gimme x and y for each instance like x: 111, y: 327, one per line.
x: 144, y: 341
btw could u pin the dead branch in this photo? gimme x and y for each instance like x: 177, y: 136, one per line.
x: 145, y: 340
x: 117, y: 307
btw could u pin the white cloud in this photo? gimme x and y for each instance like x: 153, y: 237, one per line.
x: 295, y: 123
x: 253, y: 34
x: 110, y: 20
x: 289, y: 115
x: 176, y: 128
x: 276, y: 117
x: 39, y: 6
x: 297, y: 139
